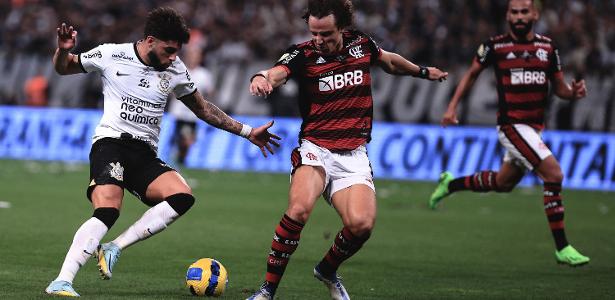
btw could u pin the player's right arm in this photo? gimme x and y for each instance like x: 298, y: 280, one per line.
x: 263, y: 82
x: 466, y: 83
x: 64, y: 62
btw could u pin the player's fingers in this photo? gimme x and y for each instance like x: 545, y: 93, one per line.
x: 263, y: 151
x: 269, y: 148
x: 274, y: 142
x: 275, y: 136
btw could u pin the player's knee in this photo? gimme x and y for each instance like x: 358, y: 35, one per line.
x: 107, y: 215
x: 181, y: 202
x: 299, y: 213
x: 554, y: 176
x: 361, y: 227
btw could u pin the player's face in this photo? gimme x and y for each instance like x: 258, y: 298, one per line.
x: 521, y: 16
x: 162, y: 53
x: 326, y: 36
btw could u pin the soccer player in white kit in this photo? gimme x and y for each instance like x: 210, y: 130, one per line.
x: 137, y: 80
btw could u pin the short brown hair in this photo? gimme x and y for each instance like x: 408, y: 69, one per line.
x: 342, y: 10
x: 166, y: 24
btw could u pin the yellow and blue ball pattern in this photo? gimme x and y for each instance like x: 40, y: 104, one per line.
x: 206, y: 277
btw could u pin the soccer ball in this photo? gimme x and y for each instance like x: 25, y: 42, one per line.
x: 206, y: 277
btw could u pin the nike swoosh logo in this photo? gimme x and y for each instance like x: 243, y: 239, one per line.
x: 121, y: 74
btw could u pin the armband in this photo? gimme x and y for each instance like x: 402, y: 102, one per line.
x: 256, y: 75
x: 245, y: 130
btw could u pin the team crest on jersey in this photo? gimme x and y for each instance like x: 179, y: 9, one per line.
x: 117, y: 171
x: 165, y: 82
x: 356, y: 52
x: 542, y: 54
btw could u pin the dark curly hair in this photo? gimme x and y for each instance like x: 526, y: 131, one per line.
x: 166, y: 24
x: 342, y: 10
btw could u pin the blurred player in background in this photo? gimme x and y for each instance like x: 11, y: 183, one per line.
x: 185, y: 125
x: 137, y: 80
x: 524, y: 63
x: 335, y: 99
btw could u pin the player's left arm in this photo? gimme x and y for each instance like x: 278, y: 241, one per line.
x: 573, y: 91
x: 214, y: 116
x: 395, y: 64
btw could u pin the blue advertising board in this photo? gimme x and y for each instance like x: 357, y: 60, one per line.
x: 397, y: 151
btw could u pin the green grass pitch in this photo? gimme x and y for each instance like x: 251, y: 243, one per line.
x: 477, y: 246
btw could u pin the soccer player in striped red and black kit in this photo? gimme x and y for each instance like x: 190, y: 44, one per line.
x: 333, y: 72
x: 524, y: 64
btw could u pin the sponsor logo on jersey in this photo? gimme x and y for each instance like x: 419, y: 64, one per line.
x: 482, y: 52
x: 116, y: 171
x: 511, y: 55
x: 520, y: 76
x: 96, y: 54
x: 502, y: 45
x: 121, y: 74
x: 356, y: 52
x: 354, y: 42
x: 543, y: 45
x: 338, y: 81
x: 311, y: 156
x: 320, y: 60
x: 287, y: 57
x: 542, y: 54
x: 121, y: 55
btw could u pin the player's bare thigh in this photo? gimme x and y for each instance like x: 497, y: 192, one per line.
x: 167, y: 184
x: 306, y: 186
x: 356, y: 205
x: 549, y: 170
x: 107, y: 195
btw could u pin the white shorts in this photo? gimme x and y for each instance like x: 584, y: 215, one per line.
x: 342, y: 169
x: 524, y: 145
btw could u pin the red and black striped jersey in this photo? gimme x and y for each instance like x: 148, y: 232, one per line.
x: 523, y: 70
x: 335, y: 96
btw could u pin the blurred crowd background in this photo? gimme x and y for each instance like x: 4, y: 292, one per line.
x: 443, y: 33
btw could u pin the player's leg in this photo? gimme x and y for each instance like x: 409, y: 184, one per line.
x: 106, y: 200
x: 170, y: 196
x: 356, y: 205
x: 502, y: 181
x: 106, y: 193
x: 550, y: 172
x: 307, y: 184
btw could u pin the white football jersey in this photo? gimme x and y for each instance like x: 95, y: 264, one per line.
x: 135, y: 95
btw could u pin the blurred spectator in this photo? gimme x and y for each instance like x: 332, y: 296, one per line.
x: 185, y: 127
x: 36, y: 89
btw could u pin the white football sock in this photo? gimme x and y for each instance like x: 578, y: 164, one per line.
x: 84, y: 244
x: 154, y: 220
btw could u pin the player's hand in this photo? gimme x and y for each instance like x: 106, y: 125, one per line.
x: 261, y: 137
x: 578, y: 89
x: 67, y: 37
x: 260, y: 86
x: 437, y: 74
x: 449, y: 118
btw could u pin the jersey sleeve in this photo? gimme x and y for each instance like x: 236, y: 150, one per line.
x: 374, y: 49
x: 485, y: 53
x: 184, y: 85
x: 555, y: 64
x: 93, y: 60
x: 293, y: 60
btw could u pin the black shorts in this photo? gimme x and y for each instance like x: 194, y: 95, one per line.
x: 128, y: 163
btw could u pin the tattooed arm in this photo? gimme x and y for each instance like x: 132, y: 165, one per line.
x: 210, y: 113
x: 214, y: 116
